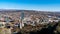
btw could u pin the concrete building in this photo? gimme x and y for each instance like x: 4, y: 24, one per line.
x: 53, y: 19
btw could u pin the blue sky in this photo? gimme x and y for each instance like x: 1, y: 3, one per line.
x: 40, y: 5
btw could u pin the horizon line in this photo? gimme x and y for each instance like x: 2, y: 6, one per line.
x: 31, y: 9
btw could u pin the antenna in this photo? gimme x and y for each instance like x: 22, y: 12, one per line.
x: 54, y: 13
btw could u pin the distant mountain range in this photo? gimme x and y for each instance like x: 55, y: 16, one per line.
x: 32, y: 11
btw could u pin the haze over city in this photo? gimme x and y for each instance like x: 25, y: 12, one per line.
x: 40, y: 5
x: 29, y: 16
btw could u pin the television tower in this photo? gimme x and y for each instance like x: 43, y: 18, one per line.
x: 22, y: 17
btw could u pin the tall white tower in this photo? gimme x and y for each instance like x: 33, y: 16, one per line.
x: 22, y: 17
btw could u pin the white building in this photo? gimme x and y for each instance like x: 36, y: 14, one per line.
x: 26, y: 20
x: 53, y: 20
x: 45, y: 20
x: 2, y: 24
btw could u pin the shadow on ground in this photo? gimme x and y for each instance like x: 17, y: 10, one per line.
x: 48, y: 30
